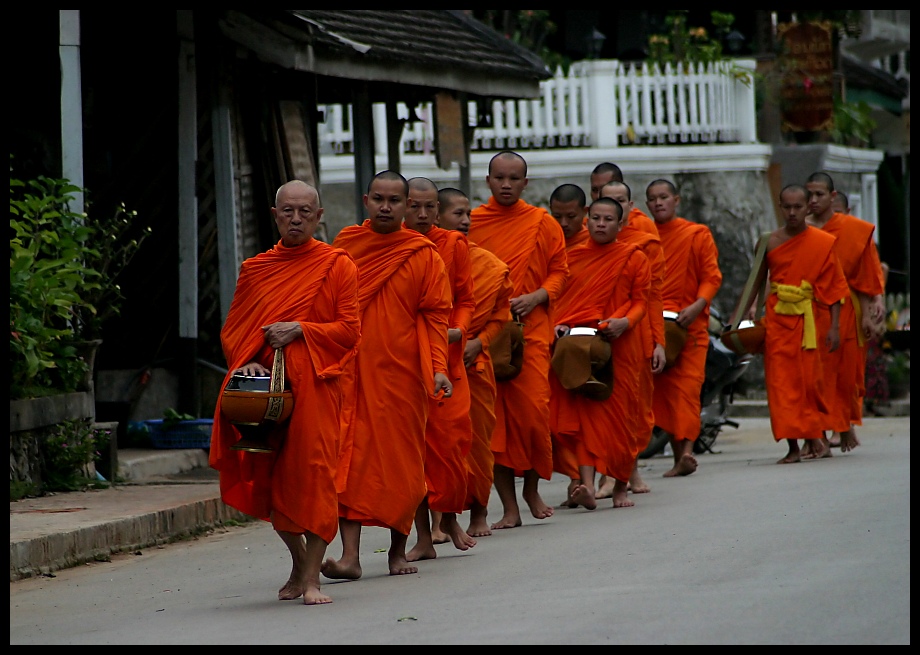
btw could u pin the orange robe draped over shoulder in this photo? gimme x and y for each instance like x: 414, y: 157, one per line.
x: 860, y: 262
x: 530, y: 241
x: 794, y: 375
x: 582, y: 236
x: 639, y: 220
x: 492, y: 290
x: 404, y: 299
x: 692, y: 262
x: 317, y: 286
x: 449, y: 433
x: 605, y: 281
x: 652, y: 326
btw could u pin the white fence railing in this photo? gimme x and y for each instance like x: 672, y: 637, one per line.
x: 599, y: 103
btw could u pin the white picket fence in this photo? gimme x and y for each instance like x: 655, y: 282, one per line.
x: 599, y: 103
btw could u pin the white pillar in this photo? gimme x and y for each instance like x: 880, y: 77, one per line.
x: 869, y: 189
x: 381, y: 148
x: 71, y: 103
x: 600, y: 76
x: 745, y: 103
x: 187, y: 157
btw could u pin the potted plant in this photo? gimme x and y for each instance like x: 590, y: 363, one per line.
x: 64, y: 274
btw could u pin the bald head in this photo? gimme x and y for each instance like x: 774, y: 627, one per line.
x: 297, y: 212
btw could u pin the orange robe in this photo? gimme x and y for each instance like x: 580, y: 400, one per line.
x: 610, y: 280
x: 316, y: 285
x: 449, y: 433
x: 795, y: 376
x: 404, y: 299
x: 859, y: 258
x: 582, y: 236
x: 641, y: 221
x: 652, y: 327
x: 492, y: 290
x: 530, y: 241
x: 692, y: 261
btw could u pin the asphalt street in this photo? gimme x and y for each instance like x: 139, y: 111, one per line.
x: 744, y: 551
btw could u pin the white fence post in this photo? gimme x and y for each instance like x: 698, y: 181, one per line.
x: 602, y: 120
x: 744, y: 102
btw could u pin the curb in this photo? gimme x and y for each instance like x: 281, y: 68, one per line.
x: 44, y: 554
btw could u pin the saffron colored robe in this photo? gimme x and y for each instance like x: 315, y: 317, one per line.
x: 605, y: 281
x: 531, y: 242
x: 860, y: 262
x: 795, y: 376
x: 449, y: 433
x: 317, y: 286
x: 652, y: 326
x: 404, y: 299
x: 641, y: 221
x: 582, y: 236
x: 492, y: 290
x: 692, y: 262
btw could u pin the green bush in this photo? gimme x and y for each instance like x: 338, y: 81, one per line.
x: 68, y: 450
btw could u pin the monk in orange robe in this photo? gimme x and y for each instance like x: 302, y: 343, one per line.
x: 569, y: 206
x: 861, y: 317
x: 607, y: 290
x: 404, y: 299
x: 531, y: 243
x: 302, y: 296
x: 449, y: 432
x: 606, y: 173
x: 492, y: 290
x: 806, y: 286
x: 691, y: 282
x: 652, y: 327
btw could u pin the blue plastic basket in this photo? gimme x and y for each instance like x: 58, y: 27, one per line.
x: 184, y: 434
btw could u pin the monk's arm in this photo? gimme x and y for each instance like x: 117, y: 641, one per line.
x: 710, y: 280
x: 557, y: 273
x: 833, y: 335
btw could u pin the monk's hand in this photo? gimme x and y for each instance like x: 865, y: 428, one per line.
x: 441, y: 383
x: 278, y: 335
x: 615, y: 327
x: 252, y: 369
x: 658, y: 358
x: 877, y: 308
x: 687, y: 315
x: 560, y: 331
x: 453, y: 335
x: 832, y: 340
x: 471, y: 351
x: 526, y: 303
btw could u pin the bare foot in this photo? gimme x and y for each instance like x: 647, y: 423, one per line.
x: 508, y: 521
x: 637, y: 485
x: 479, y: 527
x: 313, y: 596
x: 451, y: 527
x: 438, y: 537
x: 584, y: 497
x: 686, y: 465
x: 340, y: 570
x: 834, y: 441
x: 421, y: 552
x: 568, y: 503
x: 400, y: 566
x: 790, y: 458
x: 604, y: 488
x: 292, y: 589
x: 621, y: 499
x: 848, y: 440
x: 816, y: 449
x: 538, y: 508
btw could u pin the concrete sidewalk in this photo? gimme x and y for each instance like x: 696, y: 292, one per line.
x: 167, y: 495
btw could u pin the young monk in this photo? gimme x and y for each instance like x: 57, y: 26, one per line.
x: 449, y: 431
x: 652, y: 326
x: 861, y: 317
x: 492, y: 290
x: 531, y: 243
x: 691, y: 282
x: 806, y: 287
x: 404, y: 298
x: 607, y: 290
x: 302, y: 296
x: 606, y: 173
x: 569, y: 206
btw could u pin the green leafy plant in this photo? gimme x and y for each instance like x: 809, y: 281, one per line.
x: 683, y: 44
x: 68, y: 450
x: 172, y: 418
x: 853, y: 123
x: 64, y: 272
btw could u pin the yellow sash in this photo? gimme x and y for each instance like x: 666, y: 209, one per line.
x: 797, y: 301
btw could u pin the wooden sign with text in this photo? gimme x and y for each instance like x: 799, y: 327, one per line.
x: 807, y: 62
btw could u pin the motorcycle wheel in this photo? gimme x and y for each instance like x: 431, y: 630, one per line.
x: 705, y: 441
x: 656, y: 444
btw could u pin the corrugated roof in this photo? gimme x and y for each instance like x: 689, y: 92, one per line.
x: 437, y: 39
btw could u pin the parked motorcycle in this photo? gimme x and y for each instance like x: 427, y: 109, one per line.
x: 723, y: 369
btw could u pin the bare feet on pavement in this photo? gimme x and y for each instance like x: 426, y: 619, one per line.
x: 686, y: 465
x: 340, y: 570
x: 584, y: 496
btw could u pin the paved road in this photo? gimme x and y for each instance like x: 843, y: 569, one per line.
x: 742, y: 552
